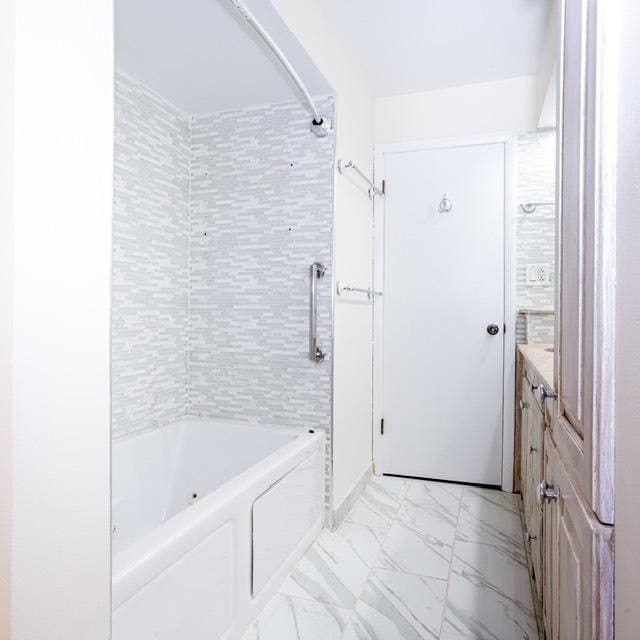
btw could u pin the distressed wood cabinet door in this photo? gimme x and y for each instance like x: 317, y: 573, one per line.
x: 583, y: 425
x: 525, y: 410
x: 578, y: 560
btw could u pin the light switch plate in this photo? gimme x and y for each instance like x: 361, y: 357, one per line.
x: 538, y: 275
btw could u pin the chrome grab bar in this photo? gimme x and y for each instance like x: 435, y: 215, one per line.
x: 316, y: 272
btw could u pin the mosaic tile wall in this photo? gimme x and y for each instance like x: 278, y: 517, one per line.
x: 150, y: 259
x: 217, y: 219
x: 261, y: 213
x: 536, y: 182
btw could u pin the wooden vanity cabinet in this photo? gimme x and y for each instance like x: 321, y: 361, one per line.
x: 575, y: 492
x: 571, y: 551
x: 566, y: 464
x: 531, y: 467
x: 577, y: 559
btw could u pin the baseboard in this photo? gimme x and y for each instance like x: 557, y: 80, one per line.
x: 342, y: 510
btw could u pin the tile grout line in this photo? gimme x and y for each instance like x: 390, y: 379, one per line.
x: 386, y: 535
x: 453, y: 552
x: 373, y: 564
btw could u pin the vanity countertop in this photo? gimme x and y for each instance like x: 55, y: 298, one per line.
x: 540, y: 357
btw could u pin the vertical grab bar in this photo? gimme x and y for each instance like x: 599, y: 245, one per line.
x: 316, y: 272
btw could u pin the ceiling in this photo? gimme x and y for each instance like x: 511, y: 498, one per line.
x: 406, y: 46
x: 202, y: 57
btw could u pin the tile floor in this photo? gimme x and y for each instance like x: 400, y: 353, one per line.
x: 413, y: 560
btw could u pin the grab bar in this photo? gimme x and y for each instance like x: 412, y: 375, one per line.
x: 316, y: 272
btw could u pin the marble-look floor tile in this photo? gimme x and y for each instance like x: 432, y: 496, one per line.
x: 398, y: 606
x: 491, y: 517
x: 379, y: 503
x: 417, y: 534
x: 432, y: 507
x: 393, y: 484
x: 287, y: 618
x: 421, y: 539
x: 412, y: 548
x: 489, y: 596
x: 441, y: 496
x: 336, y: 567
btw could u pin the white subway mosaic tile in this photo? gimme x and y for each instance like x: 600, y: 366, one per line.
x: 150, y: 259
x: 536, y: 181
x: 261, y: 213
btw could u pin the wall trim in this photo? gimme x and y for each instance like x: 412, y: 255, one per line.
x: 338, y: 515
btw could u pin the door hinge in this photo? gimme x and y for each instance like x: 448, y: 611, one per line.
x: 381, y: 426
x: 384, y: 186
x: 504, y: 328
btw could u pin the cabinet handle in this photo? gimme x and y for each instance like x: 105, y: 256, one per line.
x: 546, y: 492
x: 523, y: 405
x: 531, y: 536
x: 547, y: 393
x: 532, y: 449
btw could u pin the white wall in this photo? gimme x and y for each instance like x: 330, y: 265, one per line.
x: 61, y: 271
x: 7, y: 49
x: 546, y: 79
x: 352, y: 407
x: 627, y: 480
x: 484, y: 108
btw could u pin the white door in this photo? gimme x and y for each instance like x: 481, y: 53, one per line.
x: 443, y: 317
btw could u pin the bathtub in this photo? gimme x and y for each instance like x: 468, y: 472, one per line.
x: 208, y: 518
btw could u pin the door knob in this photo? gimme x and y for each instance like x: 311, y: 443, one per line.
x: 493, y: 329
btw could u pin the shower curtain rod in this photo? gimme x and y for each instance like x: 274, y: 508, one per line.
x: 320, y: 125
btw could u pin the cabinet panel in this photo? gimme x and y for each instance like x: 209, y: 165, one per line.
x: 584, y: 365
x: 578, y: 562
x: 525, y: 411
x: 573, y: 273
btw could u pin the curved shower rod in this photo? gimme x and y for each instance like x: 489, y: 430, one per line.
x: 320, y: 125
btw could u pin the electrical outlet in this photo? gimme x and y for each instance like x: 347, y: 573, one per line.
x: 538, y: 275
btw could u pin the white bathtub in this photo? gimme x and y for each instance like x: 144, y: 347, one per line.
x: 208, y: 519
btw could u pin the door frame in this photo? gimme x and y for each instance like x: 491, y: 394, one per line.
x: 508, y: 140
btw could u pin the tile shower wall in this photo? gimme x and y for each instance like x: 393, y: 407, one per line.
x: 150, y: 259
x: 217, y: 219
x: 536, y: 182
x: 261, y: 213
